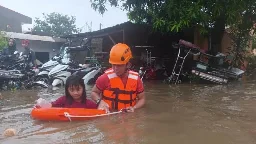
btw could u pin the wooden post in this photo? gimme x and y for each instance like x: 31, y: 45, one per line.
x: 123, y: 36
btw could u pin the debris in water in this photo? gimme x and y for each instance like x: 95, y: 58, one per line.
x: 225, y: 99
x: 55, y: 88
x: 234, y: 108
x: 9, y: 132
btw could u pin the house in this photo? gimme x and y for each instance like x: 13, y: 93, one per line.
x: 12, y: 21
x: 140, y: 37
x: 45, y: 47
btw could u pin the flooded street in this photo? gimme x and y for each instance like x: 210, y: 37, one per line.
x: 182, y: 114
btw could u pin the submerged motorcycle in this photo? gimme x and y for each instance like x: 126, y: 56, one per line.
x: 19, y: 75
x: 90, y: 73
x: 42, y: 79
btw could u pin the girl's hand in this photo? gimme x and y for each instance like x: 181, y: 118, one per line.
x: 37, y: 106
x: 103, y: 106
x: 130, y: 109
x: 42, y: 103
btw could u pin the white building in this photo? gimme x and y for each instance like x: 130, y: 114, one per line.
x: 45, y: 47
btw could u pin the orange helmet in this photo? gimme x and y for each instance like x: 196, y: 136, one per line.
x: 120, y: 54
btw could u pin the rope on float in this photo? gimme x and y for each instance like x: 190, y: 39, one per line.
x: 66, y: 114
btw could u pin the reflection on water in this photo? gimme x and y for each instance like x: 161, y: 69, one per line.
x: 182, y: 114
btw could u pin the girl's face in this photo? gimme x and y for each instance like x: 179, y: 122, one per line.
x: 76, y: 92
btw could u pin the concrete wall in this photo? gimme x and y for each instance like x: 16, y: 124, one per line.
x: 41, y: 46
x: 15, y: 25
x: 12, y: 18
x: 226, y: 42
x: 202, y: 41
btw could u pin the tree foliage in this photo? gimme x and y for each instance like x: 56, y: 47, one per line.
x: 55, y: 24
x: 173, y: 15
x: 3, y: 41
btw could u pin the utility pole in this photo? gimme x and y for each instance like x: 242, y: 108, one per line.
x: 91, y: 26
x: 86, y: 26
x: 100, y: 26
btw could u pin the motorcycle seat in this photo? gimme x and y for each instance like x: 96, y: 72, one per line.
x: 74, y: 70
x: 188, y: 44
x: 81, y: 73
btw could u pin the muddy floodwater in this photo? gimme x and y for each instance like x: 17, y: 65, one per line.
x: 182, y: 114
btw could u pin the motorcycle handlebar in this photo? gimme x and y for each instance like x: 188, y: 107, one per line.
x: 175, y: 45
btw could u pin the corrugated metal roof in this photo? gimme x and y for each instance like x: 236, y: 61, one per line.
x: 106, y: 31
x: 33, y: 37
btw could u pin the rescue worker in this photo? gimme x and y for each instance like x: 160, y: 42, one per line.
x: 119, y: 88
x: 29, y: 52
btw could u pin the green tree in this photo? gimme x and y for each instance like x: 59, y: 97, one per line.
x: 55, y: 24
x: 3, y: 41
x: 174, y: 15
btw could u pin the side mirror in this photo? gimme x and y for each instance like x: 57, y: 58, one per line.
x: 16, y: 52
x: 55, y: 58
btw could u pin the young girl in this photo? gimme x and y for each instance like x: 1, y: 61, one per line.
x: 75, y: 95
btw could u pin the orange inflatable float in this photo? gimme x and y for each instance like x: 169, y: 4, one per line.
x: 66, y: 114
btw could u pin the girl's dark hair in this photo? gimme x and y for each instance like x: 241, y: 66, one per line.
x: 74, y: 81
